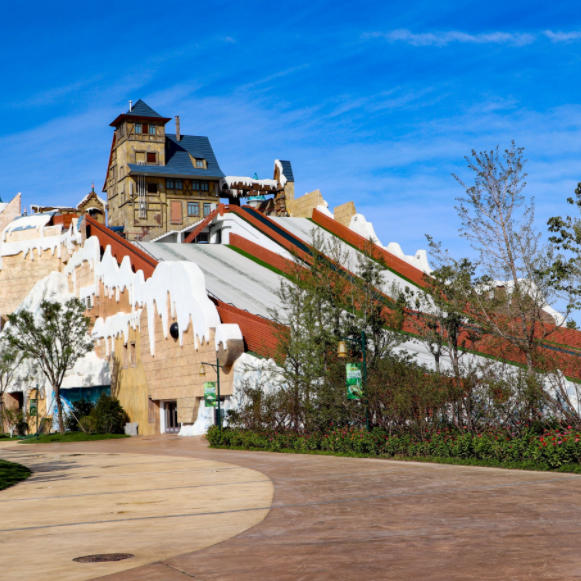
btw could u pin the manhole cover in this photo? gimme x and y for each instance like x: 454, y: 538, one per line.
x: 103, y: 558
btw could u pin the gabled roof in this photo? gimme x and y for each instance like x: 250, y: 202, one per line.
x: 178, y: 161
x: 140, y: 110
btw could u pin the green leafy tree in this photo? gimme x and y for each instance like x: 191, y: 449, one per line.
x: 54, y: 341
x: 10, y: 359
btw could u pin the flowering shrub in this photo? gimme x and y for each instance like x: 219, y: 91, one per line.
x: 552, y: 447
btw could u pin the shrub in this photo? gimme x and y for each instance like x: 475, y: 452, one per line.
x: 80, y: 409
x: 88, y: 424
x: 553, y: 447
x: 109, y: 416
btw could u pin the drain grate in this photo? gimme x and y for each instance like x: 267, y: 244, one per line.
x: 105, y: 558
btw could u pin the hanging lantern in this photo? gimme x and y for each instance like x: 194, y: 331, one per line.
x: 342, y: 349
x: 202, y: 369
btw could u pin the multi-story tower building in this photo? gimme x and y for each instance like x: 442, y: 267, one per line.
x: 158, y: 182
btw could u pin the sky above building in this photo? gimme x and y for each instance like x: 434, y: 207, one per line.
x: 376, y: 102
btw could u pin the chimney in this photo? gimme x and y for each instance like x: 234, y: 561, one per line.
x: 130, y: 106
x: 178, y: 136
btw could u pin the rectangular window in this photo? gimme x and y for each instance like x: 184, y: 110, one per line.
x: 133, y: 356
x: 125, y: 357
x: 200, y: 163
x: 140, y: 156
x: 196, y: 186
x: 145, y: 129
x: 169, y: 184
x: 151, y: 157
x: 152, y: 130
x: 193, y: 209
x: 138, y: 128
x: 178, y: 185
x: 151, y: 188
x: 204, y: 186
x: 207, y: 209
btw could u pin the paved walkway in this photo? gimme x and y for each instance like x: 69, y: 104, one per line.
x: 154, y: 507
x: 345, y: 519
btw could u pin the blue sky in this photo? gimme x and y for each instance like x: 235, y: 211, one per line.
x: 373, y: 102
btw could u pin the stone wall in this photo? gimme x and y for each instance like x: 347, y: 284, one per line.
x: 19, y: 275
x: 344, y: 213
x: 303, y: 207
x: 12, y: 211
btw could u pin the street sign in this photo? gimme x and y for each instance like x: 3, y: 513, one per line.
x: 354, y: 381
x: 210, y: 394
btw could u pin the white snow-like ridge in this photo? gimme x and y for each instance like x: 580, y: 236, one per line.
x: 69, y: 240
x: 183, y: 283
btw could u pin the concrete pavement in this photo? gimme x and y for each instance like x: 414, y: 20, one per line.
x: 152, y: 506
x: 343, y: 519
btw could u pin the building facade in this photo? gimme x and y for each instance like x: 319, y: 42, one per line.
x: 158, y: 182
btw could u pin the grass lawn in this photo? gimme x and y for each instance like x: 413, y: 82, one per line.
x: 72, y: 437
x: 11, y: 474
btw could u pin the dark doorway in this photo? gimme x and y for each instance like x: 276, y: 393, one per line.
x: 171, y: 417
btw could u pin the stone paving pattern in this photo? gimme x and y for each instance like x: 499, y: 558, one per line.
x: 346, y: 519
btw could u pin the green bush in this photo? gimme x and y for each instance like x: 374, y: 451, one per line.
x: 553, y: 447
x: 108, y: 416
x: 80, y: 409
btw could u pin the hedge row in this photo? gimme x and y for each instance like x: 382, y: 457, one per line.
x: 552, y: 447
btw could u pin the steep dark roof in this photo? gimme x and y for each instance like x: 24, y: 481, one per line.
x: 141, y: 109
x: 287, y: 170
x: 178, y: 161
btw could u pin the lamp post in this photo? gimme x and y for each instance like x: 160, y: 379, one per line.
x: 342, y: 352
x: 215, y: 366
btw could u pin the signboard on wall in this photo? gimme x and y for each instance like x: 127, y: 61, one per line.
x: 210, y: 394
x: 354, y: 381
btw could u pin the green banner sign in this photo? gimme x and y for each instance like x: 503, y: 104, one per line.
x: 354, y: 381
x: 33, y: 407
x: 210, y: 394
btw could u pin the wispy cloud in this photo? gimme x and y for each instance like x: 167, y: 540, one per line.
x: 562, y: 36
x: 444, y: 38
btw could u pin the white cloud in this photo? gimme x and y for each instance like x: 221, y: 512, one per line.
x: 444, y: 38
x: 562, y: 36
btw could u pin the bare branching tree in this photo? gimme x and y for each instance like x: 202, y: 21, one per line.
x: 509, y: 297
